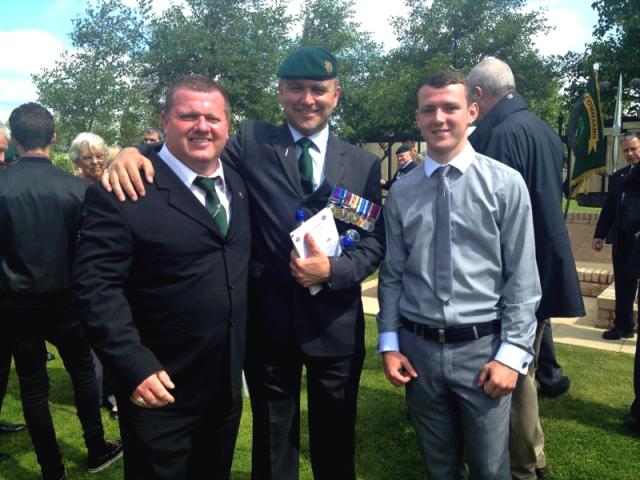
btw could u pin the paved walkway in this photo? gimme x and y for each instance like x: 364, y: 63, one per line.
x: 572, y: 331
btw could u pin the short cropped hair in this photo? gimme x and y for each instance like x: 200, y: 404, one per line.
x: 493, y: 76
x: 627, y: 136
x: 32, y: 126
x: 443, y: 78
x: 153, y: 130
x: 91, y: 140
x: 195, y: 83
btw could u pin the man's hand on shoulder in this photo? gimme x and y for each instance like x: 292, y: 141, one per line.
x: 153, y: 391
x: 123, y: 175
x: 497, y: 380
x: 398, y: 368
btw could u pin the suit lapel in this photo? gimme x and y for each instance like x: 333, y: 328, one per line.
x: 180, y: 197
x: 334, y: 165
x: 239, y: 204
x: 285, y: 149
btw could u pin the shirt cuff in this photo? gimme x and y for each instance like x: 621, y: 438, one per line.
x: 388, y: 342
x: 514, y: 357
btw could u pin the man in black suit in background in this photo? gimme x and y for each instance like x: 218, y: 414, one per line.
x: 405, y: 165
x: 161, y: 285
x: 288, y: 327
x: 619, y: 220
x: 39, y: 212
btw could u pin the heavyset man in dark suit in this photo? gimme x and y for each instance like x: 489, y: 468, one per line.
x: 288, y: 327
x: 508, y: 132
x: 39, y: 213
x: 161, y: 284
x: 619, y: 220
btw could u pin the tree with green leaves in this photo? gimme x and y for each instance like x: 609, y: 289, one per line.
x: 237, y: 42
x: 617, y: 36
x: 96, y: 86
x: 459, y: 33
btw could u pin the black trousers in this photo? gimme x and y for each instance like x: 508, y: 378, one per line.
x: 274, y: 380
x: 548, y: 372
x: 27, y: 329
x: 626, y: 284
x: 170, y: 443
x: 5, y: 368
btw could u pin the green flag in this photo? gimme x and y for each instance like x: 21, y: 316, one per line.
x: 590, y: 146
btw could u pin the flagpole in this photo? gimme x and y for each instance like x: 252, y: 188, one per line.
x: 617, y: 126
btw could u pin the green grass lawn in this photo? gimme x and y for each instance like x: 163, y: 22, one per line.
x: 585, y: 437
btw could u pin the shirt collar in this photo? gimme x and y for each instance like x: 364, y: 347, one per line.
x: 184, y: 173
x: 319, y: 139
x: 460, y: 162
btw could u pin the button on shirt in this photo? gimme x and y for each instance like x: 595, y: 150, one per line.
x: 317, y: 151
x: 494, y: 266
x: 187, y: 176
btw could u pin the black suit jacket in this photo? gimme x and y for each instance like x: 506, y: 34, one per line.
x: 40, y: 208
x: 330, y: 323
x: 609, y: 220
x: 160, y: 289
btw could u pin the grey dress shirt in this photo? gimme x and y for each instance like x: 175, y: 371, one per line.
x: 494, y: 264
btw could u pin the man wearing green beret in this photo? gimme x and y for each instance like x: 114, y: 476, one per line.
x: 288, y: 167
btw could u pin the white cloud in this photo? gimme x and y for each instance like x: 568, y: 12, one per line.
x: 27, y: 53
x: 573, y: 25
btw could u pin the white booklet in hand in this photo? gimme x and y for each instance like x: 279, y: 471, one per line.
x: 322, y: 228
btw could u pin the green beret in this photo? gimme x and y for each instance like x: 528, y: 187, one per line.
x: 311, y: 63
x: 402, y: 149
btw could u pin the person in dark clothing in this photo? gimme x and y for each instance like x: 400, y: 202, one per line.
x: 406, y: 163
x: 630, y: 185
x: 618, y: 223
x: 510, y: 133
x: 39, y: 212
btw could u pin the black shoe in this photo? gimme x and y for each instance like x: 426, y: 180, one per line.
x: 632, y: 424
x: 50, y: 357
x: 616, y: 334
x: 556, y: 389
x: 110, y: 452
x: 11, y: 427
x: 542, y: 472
x: 4, y: 456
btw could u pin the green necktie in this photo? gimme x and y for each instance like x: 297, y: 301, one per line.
x: 305, y: 166
x: 213, y: 204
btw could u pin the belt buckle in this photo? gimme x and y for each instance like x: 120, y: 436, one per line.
x: 441, y: 335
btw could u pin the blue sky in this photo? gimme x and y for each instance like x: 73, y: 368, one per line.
x: 34, y: 33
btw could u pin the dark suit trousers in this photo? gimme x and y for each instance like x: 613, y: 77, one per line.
x: 626, y: 284
x: 58, y: 324
x: 5, y: 368
x: 332, y: 393
x: 177, y: 444
x: 548, y: 372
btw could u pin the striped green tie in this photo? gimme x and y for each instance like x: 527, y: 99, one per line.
x: 213, y: 204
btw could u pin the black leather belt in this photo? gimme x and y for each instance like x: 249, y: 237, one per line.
x: 463, y: 333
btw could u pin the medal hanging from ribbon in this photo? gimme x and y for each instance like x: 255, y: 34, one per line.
x: 353, y: 209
